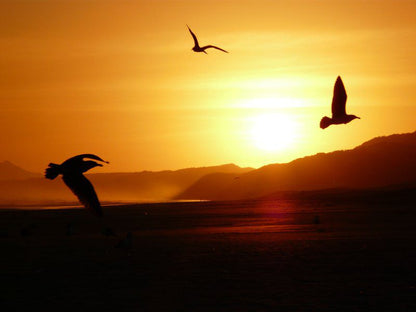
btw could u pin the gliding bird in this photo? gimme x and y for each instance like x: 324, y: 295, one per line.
x: 197, y: 48
x: 339, y: 99
x: 72, y: 171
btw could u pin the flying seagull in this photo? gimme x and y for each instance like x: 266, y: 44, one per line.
x: 197, y: 48
x: 72, y: 171
x: 339, y: 116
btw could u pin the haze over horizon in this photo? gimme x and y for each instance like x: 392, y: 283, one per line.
x: 384, y: 162
x: 119, y: 79
x: 11, y: 165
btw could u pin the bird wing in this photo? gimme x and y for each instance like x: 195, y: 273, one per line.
x: 193, y: 36
x: 211, y: 46
x: 92, y: 156
x: 339, y: 99
x: 82, y: 156
x: 83, y: 189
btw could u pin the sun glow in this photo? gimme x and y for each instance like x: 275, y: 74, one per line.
x: 272, y: 103
x: 273, y: 132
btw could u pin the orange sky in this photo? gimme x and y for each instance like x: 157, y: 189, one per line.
x: 119, y: 79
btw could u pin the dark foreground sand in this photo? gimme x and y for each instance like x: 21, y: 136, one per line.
x: 236, y: 256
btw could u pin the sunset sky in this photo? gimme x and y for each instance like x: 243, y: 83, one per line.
x: 118, y: 79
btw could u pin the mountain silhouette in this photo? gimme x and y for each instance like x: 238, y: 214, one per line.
x: 154, y: 186
x: 379, y: 162
x: 9, y: 171
x: 120, y: 187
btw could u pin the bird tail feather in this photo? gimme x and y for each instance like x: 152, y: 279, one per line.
x: 325, y: 122
x: 52, y: 171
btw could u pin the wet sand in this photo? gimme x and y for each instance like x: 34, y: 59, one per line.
x: 289, y: 255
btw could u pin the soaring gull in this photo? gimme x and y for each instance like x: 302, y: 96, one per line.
x: 339, y: 99
x: 197, y: 48
x: 72, y: 171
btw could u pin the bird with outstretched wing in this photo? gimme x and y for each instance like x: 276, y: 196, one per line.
x: 72, y: 171
x: 339, y: 100
x: 198, y: 48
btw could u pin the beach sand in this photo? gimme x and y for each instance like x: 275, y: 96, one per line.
x: 288, y: 255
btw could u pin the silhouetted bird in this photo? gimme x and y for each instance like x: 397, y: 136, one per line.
x: 72, y: 171
x: 339, y: 116
x: 197, y: 48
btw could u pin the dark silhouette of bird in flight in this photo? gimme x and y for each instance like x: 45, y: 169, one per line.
x: 197, y: 48
x: 339, y: 99
x: 72, y: 171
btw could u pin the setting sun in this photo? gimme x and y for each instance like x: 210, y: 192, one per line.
x: 120, y: 79
x: 273, y: 132
x: 182, y: 155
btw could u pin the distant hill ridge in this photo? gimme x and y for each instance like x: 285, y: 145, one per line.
x: 382, y: 161
x: 9, y: 171
x: 221, y: 168
x: 21, y: 186
x: 154, y: 185
x: 404, y: 138
x: 379, y: 162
